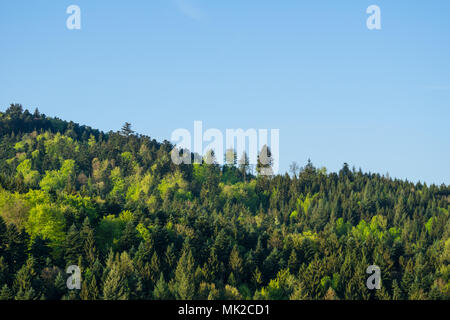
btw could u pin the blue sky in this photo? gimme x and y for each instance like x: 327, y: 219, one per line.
x: 338, y: 92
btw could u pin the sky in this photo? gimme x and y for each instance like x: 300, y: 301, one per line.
x: 338, y: 92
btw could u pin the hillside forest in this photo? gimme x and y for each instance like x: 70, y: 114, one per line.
x: 142, y: 228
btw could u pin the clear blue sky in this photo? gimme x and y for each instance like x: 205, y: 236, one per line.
x: 379, y: 100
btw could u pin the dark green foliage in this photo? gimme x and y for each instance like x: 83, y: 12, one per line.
x: 140, y: 227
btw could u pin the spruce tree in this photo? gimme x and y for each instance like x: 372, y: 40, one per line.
x: 115, y: 287
x: 73, y: 246
x: 6, y: 293
x: 161, y: 291
x: 184, y: 276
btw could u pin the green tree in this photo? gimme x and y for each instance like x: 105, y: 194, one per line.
x: 184, y: 276
x: 115, y: 287
x: 161, y: 291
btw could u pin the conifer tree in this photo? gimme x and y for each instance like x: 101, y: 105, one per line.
x: 115, y: 287
x: 6, y: 293
x: 184, y: 276
x: 161, y: 291
x: 73, y: 246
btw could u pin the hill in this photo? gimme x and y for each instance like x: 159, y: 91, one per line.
x: 140, y: 227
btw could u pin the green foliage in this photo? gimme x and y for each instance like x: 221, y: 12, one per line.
x: 176, y: 184
x: 143, y: 232
x: 59, y: 146
x: 47, y: 221
x: 115, y: 286
x: 184, y: 277
x: 109, y: 231
x: 71, y: 195
x: 30, y: 177
x: 279, y: 288
x: 304, y: 202
x: 57, y: 180
x: 342, y: 228
x: 14, y: 209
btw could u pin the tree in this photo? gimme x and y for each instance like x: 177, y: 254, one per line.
x: 115, y: 287
x: 60, y: 286
x: 236, y: 264
x: 161, y: 291
x: 212, y: 266
x: 129, y: 237
x: 73, y: 246
x: 3, y: 244
x: 58, y: 180
x: 244, y: 164
x: 24, y: 279
x: 154, y: 267
x: 13, y: 209
x: 294, y: 168
x: 184, y: 276
x: 89, y: 290
x: 14, y: 111
x: 230, y: 158
x: 30, y: 177
x: 126, y: 129
x: 87, y: 236
x: 331, y: 295
x: 293, y: 263
x: 210, y: 157
x: 6, y: 293
x: 265, y: 162
x: 4, y: 270
x: 15, y: 250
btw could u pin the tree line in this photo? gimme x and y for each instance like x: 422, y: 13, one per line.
x: 140, y: 227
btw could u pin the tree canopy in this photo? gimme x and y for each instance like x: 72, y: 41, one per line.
x: 141, y: 227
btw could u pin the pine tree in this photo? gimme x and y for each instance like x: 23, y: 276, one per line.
x: 236, y: 264
x: 41, y: 251
x: 88, y: 239
x: 93, y: 289
x: 293, y: 263
x: 4, y: 270
x: 230, y: 158
x: 115, y: 287
x: 24, y: 277
x: 16, y: 247
x: 257, y: 278
x: 154, y: 267
x: 184, y: 276
x: 2, y: 236
x: 170, y: 259
x: 161, y: 291
x: 129, y: 237
x: 331, y: 295
x: 126, y: 129
x: 60, y: 285
x: 6, y: 293
x: 89, y: 290
x: 265, y: 162
x: 28, y: 294
x: 73, y: 246
x: 244, y: 164
x: 211, y: 268
x: 396, y: 291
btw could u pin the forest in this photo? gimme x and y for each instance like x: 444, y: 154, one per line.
x: 142, y: 228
